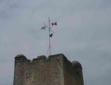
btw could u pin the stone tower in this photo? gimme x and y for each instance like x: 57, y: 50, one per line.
x: 54, y: 70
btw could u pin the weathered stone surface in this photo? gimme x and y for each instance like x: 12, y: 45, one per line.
x: 54, y: 70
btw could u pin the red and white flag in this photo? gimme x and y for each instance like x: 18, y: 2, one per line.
x: 54, y: 23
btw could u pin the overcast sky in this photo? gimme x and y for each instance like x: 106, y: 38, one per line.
x: 83, y: 33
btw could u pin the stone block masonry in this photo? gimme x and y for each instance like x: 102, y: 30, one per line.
x: 54, y: 70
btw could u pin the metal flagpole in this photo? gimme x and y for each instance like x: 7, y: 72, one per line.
x: 49, y: 27
x: 50, y: 33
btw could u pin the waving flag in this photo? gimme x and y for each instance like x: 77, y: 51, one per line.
x: 54, y: 23
x: 44, y: 27
x: 51, y: 35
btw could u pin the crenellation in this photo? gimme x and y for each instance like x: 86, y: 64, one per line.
x: 21, y: 59
x: 42, y: 57
x: 76, y: 65
x: 39, y: 59
x: 57, y: 56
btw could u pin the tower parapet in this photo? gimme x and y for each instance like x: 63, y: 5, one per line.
x: 54, y: 70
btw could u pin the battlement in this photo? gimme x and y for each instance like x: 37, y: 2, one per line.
x: 54, y: 69
x: 21, y: 58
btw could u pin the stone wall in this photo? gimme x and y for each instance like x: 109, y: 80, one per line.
x: 54, y: 70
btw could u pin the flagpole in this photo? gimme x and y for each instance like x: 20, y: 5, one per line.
x: 49, y: 36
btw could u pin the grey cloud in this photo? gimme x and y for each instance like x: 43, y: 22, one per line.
x: 83, y: 34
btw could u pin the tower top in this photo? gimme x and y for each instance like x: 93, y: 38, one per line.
x: 53, y: 70
x: 21, y: 58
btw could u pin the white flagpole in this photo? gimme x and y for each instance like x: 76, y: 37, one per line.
x: 49, y: 27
